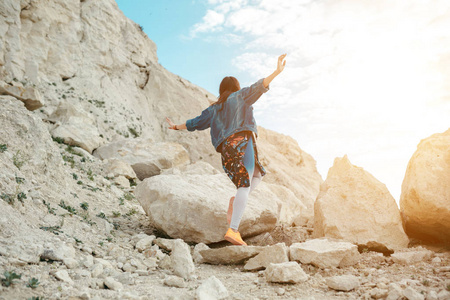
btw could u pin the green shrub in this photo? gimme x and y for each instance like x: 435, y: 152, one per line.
x: 84, y: 205
x: 69, y: 208
x: 9, y: 278
x: 58, y: 140
x: 3, y: 148
x: 21, y: 196
x: 33, y: 283
x: 8, y: 198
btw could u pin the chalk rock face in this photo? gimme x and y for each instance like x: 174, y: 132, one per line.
x: 354, y: 206
x: 343, y: 283
x: 324, y: 253
x: 146, y: 157
x: 191, y: 205
x: 425, y: 198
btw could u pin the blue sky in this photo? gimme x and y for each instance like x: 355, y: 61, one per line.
x: 365, y: 78
x: 169, y: 24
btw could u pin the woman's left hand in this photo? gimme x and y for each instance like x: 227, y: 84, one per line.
x: 171, y: 124
x: 281, y: 63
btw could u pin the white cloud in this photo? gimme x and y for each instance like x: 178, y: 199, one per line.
x: 364, y: 78
x: 210, y: 23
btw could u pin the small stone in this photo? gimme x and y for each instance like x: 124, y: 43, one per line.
x: 280, y: 291
x: 128, y: 268
x: 211, y: 288
x: 412, y: 294
x: 436, y: 260
x: 272, y: 254
x: 443, y: 295
x: 141, y: 272
x: 63, y: 276
x: 432, y: 295
x: 197, y: 257
x: 394, y: 292
x: 181, y: 259
x: 145, y: 243
x: 343, y: 283
x: 175, y: 281
x: 88, y: 261
x: 70, y: 263
x: 97, y: 270
x: 112, y: 284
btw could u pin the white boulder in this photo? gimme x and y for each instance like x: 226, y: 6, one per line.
x: 146, y: 157
x: 424, y: 202
x: 75, y: 127
x: 324, y: 253
x: 354, y: 206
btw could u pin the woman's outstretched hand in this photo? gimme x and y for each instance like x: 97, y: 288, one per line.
x: 280, y: 68
x: 281, y: 63
x: 171, y: 124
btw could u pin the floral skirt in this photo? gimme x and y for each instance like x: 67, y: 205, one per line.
x: 233, y: 151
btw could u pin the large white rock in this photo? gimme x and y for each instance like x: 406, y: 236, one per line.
x: 146, y: 157
x: 76, y: 127
x: 324, y: 253
x: 354, y: 206
x: 287, y: 272
x: 278, y: 253
x: 192, y: 206
x: 425, y: 198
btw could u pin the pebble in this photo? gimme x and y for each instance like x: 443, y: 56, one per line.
x: 280, y: 291
x: 436, y: 260
x: 175, y: 281
x: 412, y: 294
x: 113, y: 284
x: 63, y: 276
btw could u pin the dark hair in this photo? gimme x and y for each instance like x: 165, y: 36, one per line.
x: 228, y: 86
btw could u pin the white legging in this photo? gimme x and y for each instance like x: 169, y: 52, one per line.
x: 240, y: 200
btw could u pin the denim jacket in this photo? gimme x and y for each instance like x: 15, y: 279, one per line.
x: 236, y: 115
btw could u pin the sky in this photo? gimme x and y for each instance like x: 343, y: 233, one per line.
x: 363, y: 78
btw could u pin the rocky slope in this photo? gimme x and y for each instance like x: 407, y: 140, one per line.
x: 76, y: 76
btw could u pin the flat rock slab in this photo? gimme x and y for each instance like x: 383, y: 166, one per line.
x: 324, y: 253
x: 231, y: 255
x: 411, y: 257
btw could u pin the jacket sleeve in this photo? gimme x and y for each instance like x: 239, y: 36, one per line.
x: 201, y: 122
x: 253, y: 92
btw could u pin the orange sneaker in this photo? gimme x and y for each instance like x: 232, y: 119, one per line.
x: 230, y: 210
x: 234, y: 238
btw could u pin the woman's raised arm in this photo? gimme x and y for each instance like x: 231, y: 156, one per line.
x: 280, y: 68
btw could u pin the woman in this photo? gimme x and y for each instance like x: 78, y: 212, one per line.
x: 233, y: 131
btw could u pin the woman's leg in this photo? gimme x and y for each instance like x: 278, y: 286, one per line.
x: 240, y: 200
x: 257, y: 177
